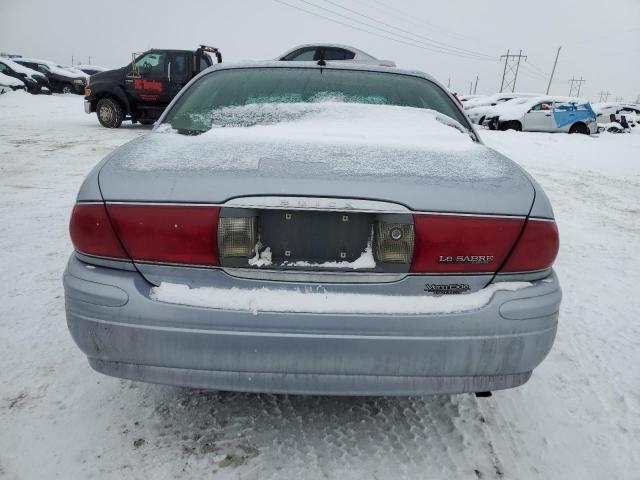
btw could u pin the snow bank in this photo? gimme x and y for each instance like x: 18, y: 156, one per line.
x: 607, y: 153
x: 274, y: 300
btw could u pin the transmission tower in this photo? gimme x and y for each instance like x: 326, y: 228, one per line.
x: 510, y: 73
x: 576, y: 85
x: 603, y: 95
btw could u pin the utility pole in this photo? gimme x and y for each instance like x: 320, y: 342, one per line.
x: 603, y: 95
x: 553, y: 70
x: 72, y: 60
x: 449, y: 83
x: 89, y: 59
x: 576, y: 85
x: 475, y: 88
x: 511, y: 68
x: 470, y: 87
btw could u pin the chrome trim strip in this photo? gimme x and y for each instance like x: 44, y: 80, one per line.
x: 172, y: 264
x: 311, y: 276
x: 98, y: 257
x: 167, y: 204
x: 316, y: 203
x: 253, y: 272
x: 480, y: 215
x: 107, y: 262
x: 366, y: 206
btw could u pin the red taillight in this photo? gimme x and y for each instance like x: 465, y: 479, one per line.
x: 468, y: 244
x: 537, y: 248
x: 167, y: 234
x: 460, y: 244
x: 91, y: 231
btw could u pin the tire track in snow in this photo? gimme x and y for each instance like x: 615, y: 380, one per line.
x: 325, y: 437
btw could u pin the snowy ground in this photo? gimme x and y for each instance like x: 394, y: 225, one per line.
x: 577, y: 418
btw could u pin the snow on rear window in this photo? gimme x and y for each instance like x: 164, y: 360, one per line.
x: 198, y: 109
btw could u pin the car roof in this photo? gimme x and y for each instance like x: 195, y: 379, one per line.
x: 166, y: 50
x: 329, y: 45
x: 330, y: 64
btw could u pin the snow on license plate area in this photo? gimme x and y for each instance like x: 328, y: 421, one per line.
x: 578, y: 417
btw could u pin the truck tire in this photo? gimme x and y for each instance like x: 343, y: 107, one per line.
x: 579, y: 128
x: 66, y: 88
x: 109, y: 113
x: 511, y: 125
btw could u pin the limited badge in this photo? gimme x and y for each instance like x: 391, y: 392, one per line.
x: 446, y: 288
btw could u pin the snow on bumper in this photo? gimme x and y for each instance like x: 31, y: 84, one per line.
x: 126, y: 333
x: 319, y: 302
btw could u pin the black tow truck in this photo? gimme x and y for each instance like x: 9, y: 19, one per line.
x: 141, y: 90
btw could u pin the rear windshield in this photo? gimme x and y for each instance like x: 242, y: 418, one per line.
x: 195, y: 110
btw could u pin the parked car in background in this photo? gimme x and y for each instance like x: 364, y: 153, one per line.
x: 61, y: 79
x: 91, y: 69
x: 615, y: 112
x: 10, y: 83
x: 467, y: 97
x: 34, y: 81
x: 546, y: 114
x: 331, y: 52
x: 287, y: 253
x: 478, y: 108
x: 141, y: 90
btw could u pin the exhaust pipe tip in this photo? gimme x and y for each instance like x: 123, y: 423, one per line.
x: 483, y: 394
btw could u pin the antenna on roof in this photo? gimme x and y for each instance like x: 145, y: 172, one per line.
x: 321, y: 61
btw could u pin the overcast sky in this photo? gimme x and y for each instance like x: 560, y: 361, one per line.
x: 600, y: 39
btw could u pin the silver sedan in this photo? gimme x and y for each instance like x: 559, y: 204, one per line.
x: 313, y: 229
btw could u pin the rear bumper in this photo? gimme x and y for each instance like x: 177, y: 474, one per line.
x: 127, y: 334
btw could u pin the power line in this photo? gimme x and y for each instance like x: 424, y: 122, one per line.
x: 430, y: 40
x: 412, y: 19
x: 603, y: 95
x: 538, y: 69
x: 439, y: 49
x: 412, y: 43
x: 532, y: 73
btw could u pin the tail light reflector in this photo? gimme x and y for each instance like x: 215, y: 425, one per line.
x: 237, y: 236
x: 91, y: 232
x: 537, y: 248
x: 462, y: 244
x: 167, y: 233
x: 394, y: 242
